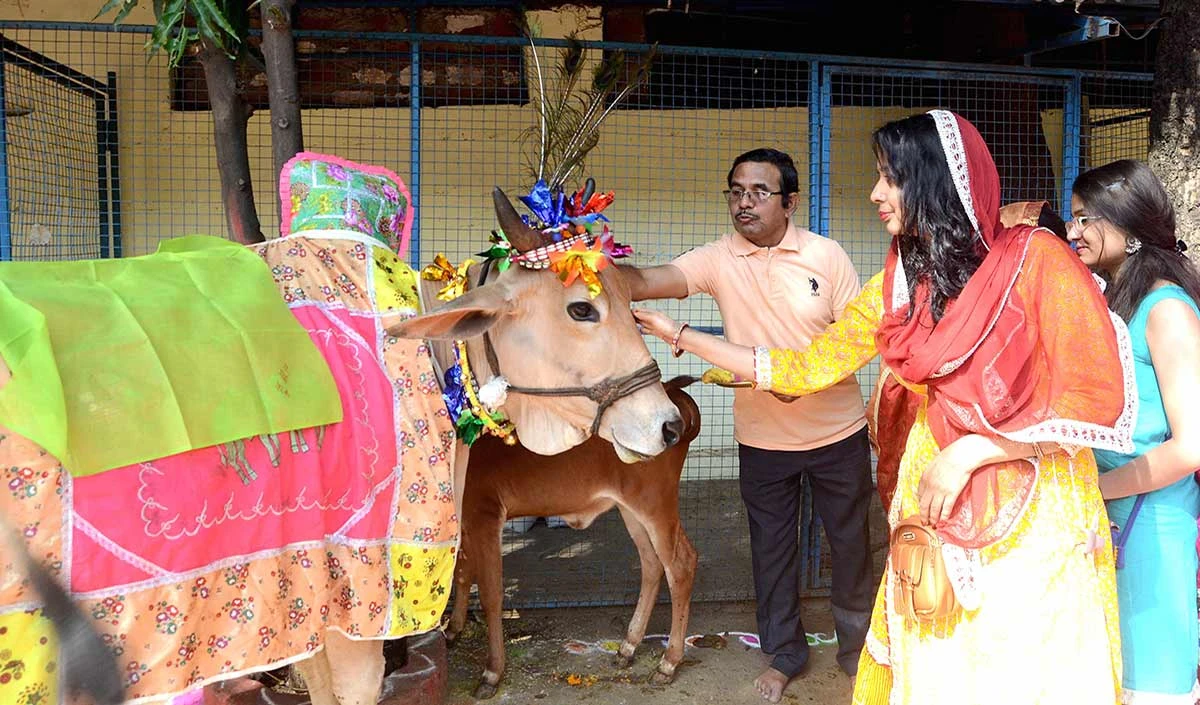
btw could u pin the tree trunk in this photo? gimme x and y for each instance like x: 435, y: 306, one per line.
x: 279, y: 51
x: 230, y: 115
x: 1174, y: 114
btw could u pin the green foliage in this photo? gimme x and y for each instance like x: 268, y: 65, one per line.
x: 222, y: 24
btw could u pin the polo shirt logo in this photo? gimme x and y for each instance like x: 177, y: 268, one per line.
x: 815, y: 288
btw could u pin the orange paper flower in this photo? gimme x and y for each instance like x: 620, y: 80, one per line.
x: 582, y: 262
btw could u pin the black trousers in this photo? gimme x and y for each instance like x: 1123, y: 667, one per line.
x: 840, y: 477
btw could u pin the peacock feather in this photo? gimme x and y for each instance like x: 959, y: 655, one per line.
x: 571, y: 108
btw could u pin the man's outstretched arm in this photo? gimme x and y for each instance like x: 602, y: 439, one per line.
x: 666, y: 281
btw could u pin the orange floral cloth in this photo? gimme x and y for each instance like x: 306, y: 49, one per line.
x: 1040, y: 620
x: 189, y: 587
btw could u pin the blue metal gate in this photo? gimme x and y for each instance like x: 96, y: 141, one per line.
x: 59, y: 185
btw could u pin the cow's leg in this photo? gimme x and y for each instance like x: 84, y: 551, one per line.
x: 463, y: 579
x: 652, y: 572
x: 355, y: 669
x: 315, y: 672
x: 487, y: 570
x: 678, y: 557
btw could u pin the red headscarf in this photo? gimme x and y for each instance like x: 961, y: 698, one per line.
x: 976, y: 358
x: 976, y: 361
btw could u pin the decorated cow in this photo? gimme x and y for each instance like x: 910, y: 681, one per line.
x: 236, y: 458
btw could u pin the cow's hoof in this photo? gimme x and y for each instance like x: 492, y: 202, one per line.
x: 451, y: 637
x: 484, y: 690
x: 660, y: 678
x: 623, y: 661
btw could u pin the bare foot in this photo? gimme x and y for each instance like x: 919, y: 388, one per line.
x: 770, y: 685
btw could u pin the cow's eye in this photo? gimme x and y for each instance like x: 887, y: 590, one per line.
x: 583, y: 311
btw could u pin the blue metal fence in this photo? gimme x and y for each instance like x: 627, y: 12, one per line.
x: 58, y: 159
x: 448, y: 124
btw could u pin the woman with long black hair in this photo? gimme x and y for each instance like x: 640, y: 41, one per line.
x: 1124, y: 229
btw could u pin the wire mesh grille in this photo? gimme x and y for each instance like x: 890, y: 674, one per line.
x: 1115, y: 118
x: 665, y: 154
x: 54, y: 147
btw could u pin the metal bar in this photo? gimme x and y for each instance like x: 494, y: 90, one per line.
x: 886, y: 63
x: 6, y: 254
x: 414, y: 177
x: 114, y: 167
x: 102, y: 174
x: 1117, y: 75
x: 78, y: 27
x: 815, y: 172
x: 50, y: 69
x: 826, y: 102
x: 1072, y: 116
x: 951, y: 74
x: 1087, y: 29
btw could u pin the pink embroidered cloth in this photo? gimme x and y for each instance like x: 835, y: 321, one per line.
x: 236, y: 558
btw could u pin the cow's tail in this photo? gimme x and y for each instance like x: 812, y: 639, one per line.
x: 89, y: 667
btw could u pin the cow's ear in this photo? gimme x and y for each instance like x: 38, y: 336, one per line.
x: 468, y: 316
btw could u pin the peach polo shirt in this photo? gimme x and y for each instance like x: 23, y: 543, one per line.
x: 781, y: 297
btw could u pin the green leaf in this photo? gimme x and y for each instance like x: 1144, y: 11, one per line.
x: 124, y: 12
x: 215, y: 15
x: 125, y: 5
x: 468, y: 427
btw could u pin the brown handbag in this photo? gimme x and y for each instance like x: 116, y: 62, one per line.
x: 923, y: 591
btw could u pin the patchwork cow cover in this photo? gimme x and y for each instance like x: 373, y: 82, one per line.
x: 236, y: 558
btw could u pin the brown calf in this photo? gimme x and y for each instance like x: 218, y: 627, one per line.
x: 507, y: 482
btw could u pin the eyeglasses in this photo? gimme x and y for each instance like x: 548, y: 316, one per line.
x: 1082, y: 221
x: 736, y: 195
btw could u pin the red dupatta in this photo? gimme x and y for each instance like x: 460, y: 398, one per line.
x: 977, y: 361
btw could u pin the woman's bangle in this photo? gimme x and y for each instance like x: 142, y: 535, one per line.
x: 675, y: 341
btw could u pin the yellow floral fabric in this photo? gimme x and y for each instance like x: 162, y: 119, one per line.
x: 395, y: 284
x: 421, y: 580
x: 1045, y: 630
x: 845, y: 346
x: 27, y: 672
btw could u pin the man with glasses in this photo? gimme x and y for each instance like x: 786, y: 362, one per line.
x: 778, y: 285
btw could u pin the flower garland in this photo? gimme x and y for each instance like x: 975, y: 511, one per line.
x: 473, y: 410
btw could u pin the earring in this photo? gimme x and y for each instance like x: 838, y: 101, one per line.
x: 1132, y: 245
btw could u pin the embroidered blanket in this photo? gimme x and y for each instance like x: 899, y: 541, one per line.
x: 237, y: 557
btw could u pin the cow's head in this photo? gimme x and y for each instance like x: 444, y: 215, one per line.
x: 550, y: 337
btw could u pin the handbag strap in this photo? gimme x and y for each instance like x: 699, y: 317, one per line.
x: 1122, y: 535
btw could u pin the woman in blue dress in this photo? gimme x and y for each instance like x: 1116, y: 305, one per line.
x: 1123, y: 227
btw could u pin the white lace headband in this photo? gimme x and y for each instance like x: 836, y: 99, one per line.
x: 956, y: 158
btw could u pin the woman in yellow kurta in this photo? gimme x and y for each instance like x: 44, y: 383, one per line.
x: 1009, y: 345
